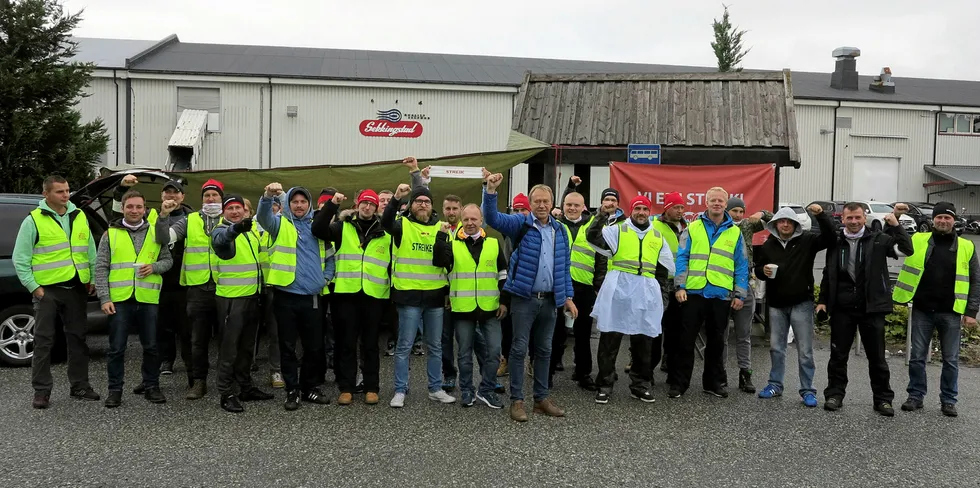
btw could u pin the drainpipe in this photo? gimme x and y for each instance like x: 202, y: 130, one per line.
x: 935, y: 136
x: 833, y: 154
x: 129, y: 119
x: 115, y: 117
x: 270, y: 122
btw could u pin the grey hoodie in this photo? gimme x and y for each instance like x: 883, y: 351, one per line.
x: 784, y: 213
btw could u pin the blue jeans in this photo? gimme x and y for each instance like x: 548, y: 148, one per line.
x: 800, y: 318
x: 923, y: 323
x: 410, y: 319
x: 534, y: 324
x: 486, y: 337
x: 142, y: 316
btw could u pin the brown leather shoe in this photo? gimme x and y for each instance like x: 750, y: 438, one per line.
x: 41, y: 400
x: 197, y: 390
x: 517, y: 411
x: 548, y: 408
x: 345, y: 399
x: 371, y: 398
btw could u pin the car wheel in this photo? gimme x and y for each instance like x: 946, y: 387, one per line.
x: 876, y: 226
x: 17, y: 335
x: 923, y: 227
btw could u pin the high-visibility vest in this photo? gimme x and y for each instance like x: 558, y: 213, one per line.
x: 583, y: 256
x: 413, y: 269
x: 715, y: 263
x: 240, y: 276
x: 363, y: 269
x: 265, y: 242
x: 152, y: 217
x: 123, y: 282
x: 635, y: 257
x: 199, y: 257
x: 908, y: 278
x: 282, y: 256
x: 667, y: 232
x: 56, y: 258
x: 473, y: 284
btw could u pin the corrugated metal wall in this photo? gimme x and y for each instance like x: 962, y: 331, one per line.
x: 813, y: 180
x: 958, y: 150
x: 326, y: 128
x: 103, y: 103
x: 598, y: 181
x: 518, y: 181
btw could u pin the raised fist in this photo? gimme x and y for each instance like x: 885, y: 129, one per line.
x: 446, y: 228
x: 486, y: 174
x: 494, y: 181
x: 402, y: 191
x: 815, y: 209
x: 556, y: 212
x: 168, y: 206
x: 411, y: 163
x: 425, y: 172
x: 576, y: 180
x: 130, y: 181
x: 273, y: 190
x: 891, y: 219
x: 338, y: 198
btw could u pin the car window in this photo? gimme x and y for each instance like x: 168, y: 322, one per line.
x: 11, y: 216
x: 798, y: 210
x: 881, y: 208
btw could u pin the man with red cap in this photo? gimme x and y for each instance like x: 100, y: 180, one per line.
x: 671, y: 225
x: 630, y: 301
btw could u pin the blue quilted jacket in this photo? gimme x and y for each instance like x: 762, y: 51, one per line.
x: 524, y: 262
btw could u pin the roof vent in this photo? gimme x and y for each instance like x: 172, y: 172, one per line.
x: 883, y: 83
x: 845, y: 76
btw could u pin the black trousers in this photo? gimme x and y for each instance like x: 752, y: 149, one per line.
x: 300, y: 318
x: 68, y: 305
x: 239, y: 326
x: 713, y: 313
x: 359, y: 317
x: 173, y: 328
x: 843, y: 326
x: 641, y: 372
x: 672, y: 327
x: 448, y: 346
x: 506, y: 335
x: 202, y: 313
x: 582, y: 331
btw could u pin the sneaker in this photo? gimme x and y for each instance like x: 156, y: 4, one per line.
x: 140, y: 389
x: 587, y: 384
x: 949, y: 409
x: 628, y: 367
x: 114, y: 399
x: 770, y: 391
x: 254, y: 394
x: 719, y: 391
x: 491, y: 400
x: 230, y: 403
x: 643, y: 396
x: 810, y: 400
x: 674, y: 393
x: 885, y: 409
x: 359, y: 387
x: 154, y: 395
x: 745, y: 381
x: 418, y: 350
x: 292, y: 400
x: 441, y: 397
x: 833, y: 404
x: 449, y: 385
x: 502, y: 369
x: 316, y: 396
x: 87, y: 394
x: 390, y: 349
x: 912, y: 404
x: 499, y: 389
x: 41, y: 400
x: 602, y: 398
x: 277, y: 381
x: 467, y: 399
x: 397, y: 401
x: 166, y: 367
x: 345, y: 399
x: 371, y: 398
x: 198, y: 389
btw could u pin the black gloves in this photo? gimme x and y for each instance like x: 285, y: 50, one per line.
x: 244, y: 226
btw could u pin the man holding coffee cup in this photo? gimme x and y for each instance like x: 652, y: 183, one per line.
x: 790, y: 293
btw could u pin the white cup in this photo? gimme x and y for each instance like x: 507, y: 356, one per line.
x: 772, y: 269
x: 569, y: 320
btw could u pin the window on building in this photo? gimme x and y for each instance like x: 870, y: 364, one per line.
x: 946, y: 123
x: 195, y: 98
x: 976, y: 124
x: 959, y: 124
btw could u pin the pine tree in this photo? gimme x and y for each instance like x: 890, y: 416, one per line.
x: 40, y: 129
x: 728, y: 44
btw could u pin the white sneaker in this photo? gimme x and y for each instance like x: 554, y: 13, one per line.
x: 397, y: 401
x: 441, y: 397
x: 277, y: 381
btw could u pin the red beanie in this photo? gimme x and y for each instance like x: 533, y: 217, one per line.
x: 213, y: 184
x: 671, y: 199
x: 521, y: 202
x: 640, y: 200
x: 368, y: 196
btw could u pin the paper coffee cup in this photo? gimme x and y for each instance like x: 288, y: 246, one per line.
x: 773, y: 268
x: 569, y: 320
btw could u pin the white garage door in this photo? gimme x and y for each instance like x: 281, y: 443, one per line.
x: 875, y: 179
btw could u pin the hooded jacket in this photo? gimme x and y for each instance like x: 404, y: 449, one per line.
x: 793, y: 283
x: 104, y: 259
x: 27, y: 237
x: 393, y: 226
x: 311, y: 275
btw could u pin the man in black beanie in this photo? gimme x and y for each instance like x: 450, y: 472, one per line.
x: 609, y: 208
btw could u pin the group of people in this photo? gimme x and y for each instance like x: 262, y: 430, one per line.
x: 322, y: 282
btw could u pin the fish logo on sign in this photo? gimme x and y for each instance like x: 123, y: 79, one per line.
x: 393, y: 115
x: 389, y: 123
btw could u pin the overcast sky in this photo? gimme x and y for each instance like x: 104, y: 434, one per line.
x: 914, y: 37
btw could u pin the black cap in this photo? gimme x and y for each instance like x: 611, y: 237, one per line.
x: 944, y: 208
x: 420, y: 192
x: 610, y: 192
x: 230, y: 199
x: 174, y: 184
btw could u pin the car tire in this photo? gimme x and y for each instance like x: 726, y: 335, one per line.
x: 923, y: 227
x: 17, y: 335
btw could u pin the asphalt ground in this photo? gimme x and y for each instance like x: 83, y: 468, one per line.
x: 696, y: 440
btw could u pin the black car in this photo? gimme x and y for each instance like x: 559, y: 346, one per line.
x: 922, y: 213
x: 16, y: 306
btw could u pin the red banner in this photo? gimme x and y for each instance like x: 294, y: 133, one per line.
x: 753, y: 183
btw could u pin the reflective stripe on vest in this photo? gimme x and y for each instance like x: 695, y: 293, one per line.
x: 265, y: 242
x: 913, y: 266
x: 123, y: 262
x: 199, y: 258
x: 56, y: 258
x: 282, y: 256
x: 715, y: 263
x: 413, y: 269
x: 365, y: 269
x: 241, y: 275
x: 634, y: 257
x: 473, y: 284
x: 583, y: 256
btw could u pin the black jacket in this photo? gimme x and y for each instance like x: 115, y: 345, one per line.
x: 874, y: 249
x: 944, y: 279
x: 325, y: 228
x: 411, y: 298
x: 443, y: 256
x: 793, y: 283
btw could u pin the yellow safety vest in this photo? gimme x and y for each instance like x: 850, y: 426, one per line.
x: 908, y: 278
x: 199, y: 257
x: 583, y: 256
x: 413, y: 269
x: 473, y: 284
x: 667, y: 231
x: 240, y: 276
x: 152, y: 216
x: 713, y: 264
x: 55, y: 257
x: 282, y: 256
x: 123, y: 282
x: 363, y: 269
x: 634, y: 257
x: 265, y: 242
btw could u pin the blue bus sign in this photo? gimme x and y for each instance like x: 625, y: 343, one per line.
x: 643, y: 153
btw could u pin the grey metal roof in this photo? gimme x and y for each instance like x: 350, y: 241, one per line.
x: 108, y: 53
x: 961, y: 175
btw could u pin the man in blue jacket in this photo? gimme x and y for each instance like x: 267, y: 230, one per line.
x: 712, y: 278
x: 540, y: 282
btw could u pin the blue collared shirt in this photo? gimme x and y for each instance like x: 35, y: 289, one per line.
x: 545, y: 279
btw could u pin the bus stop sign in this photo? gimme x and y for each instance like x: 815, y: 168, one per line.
x: 643, y: 153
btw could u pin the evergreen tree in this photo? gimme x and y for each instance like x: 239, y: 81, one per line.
x: 728, y: 45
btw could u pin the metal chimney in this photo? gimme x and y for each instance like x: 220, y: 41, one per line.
x: 845, y: 76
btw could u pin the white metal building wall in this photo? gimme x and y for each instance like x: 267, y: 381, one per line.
x: 958, y: 150
x: 598, y: 181
x: 106, y: 100
x: 815, y: 125
x: 518, y: 181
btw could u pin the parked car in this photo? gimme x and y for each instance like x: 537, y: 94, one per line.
x: 833, y: 207
x: 801, y: 214
x: 876, y: 215
x: 921, y: 212
x: 16, y: 306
